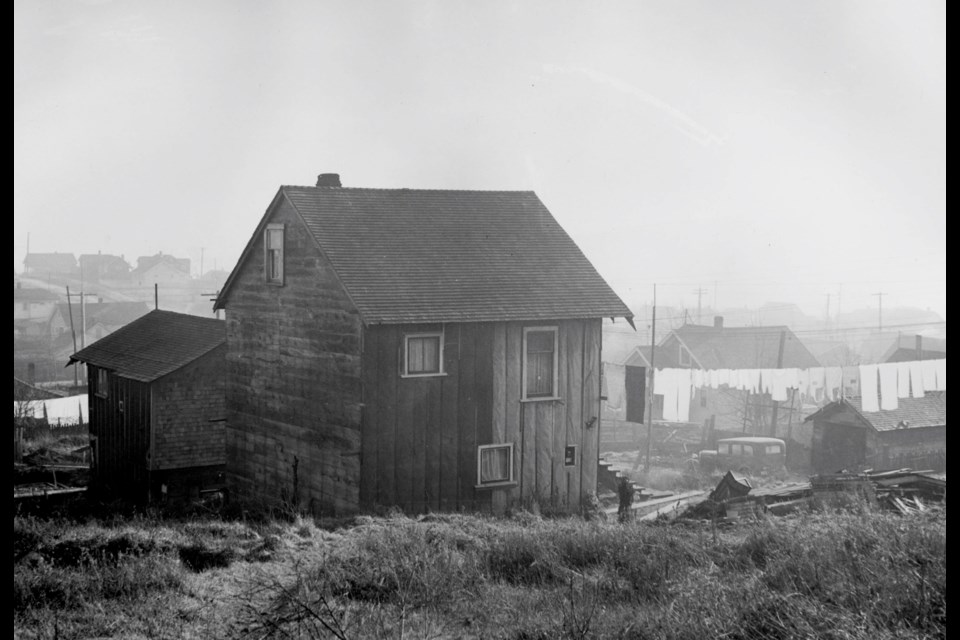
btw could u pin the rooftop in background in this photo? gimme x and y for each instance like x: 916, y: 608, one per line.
x: 416, y: 255
x: 27, y: 294
x: 912, y: 413
x: 894, y: 346
x: 50, y: 263
x: 154, y: 345
x: 720, y: 347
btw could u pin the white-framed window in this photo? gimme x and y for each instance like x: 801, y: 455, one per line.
x: 423, y: 354
x: 540, y: 364
x: 102, y: 388
x: 683, y: 356
x: 494, y: 464
x: 273, y: 253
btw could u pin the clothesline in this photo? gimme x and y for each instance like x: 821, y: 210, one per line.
x: 880, y: 385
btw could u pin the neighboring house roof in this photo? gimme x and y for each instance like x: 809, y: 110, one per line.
x: 50, y: 262
x: 716, y: 347
x: 415, y: 255
x: 104, y: 263
x: 24, y: 391
x: 107, y: 313
x: 145, y: 263
x: 22, y: 294
x: 153, y: 346
x: 640, y: 357
x: 911, y: 413
x: 884, y: 347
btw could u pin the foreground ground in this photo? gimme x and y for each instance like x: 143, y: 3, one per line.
x: 855, y: 574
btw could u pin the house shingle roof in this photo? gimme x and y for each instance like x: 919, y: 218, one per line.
x: 414, y: 255
x: 743, y: 347
x: 912, y: 413
x: 154, y: 345
x: 21, y: 294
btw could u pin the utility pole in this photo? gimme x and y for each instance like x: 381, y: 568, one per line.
x: 653, y: 356
x: 826, y: 315
x: 776, y: 403
x: 699, y: 291
x: 880, y: 309
x: 73, y: 332
x: 201, y: 262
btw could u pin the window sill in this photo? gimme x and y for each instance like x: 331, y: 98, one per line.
x: 497, y: 485
x: 423, y: 375
x: 547, y: 399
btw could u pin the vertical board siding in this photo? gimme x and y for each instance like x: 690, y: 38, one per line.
x: 123, y: 437
x: 591, y: 406
x: 426, y: 430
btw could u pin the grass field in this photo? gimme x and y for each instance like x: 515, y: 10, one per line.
x: 823, y: 575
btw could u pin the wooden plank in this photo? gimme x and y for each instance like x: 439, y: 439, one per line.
x: 499, y: 403
x: 528, y: 456
x: 483, y: 378
x: 514, y: 339
x: 558, y: 480
x: 434, y: 427
x: 573, y: 415
x: 544, y: 450
x: 386, y: 403
x: 449, y: 436
x: 591, y: 405
x: 369, y: 464
x: 416, y: 392
x: 467, y: 418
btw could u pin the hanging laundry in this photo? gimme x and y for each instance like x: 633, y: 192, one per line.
x: 833, y: 382
x: 752, y: 383
x: 851, y: 381
x: 665, y: 384
x: 903, y: 379
x: 817, y: 381
x: 929, y: 372
x: 869, y: 402
x: 916, y: 379
x: 778, y: 383
x: 614, y: 386
x: 684, y: 394
x: 941, y: 374
x: 697, y: 377
x: 889, y: 393
x: 635, y: 390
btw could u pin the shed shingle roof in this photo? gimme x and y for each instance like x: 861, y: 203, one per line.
x: 914, y: 413
x: 154, y: 345
x: 414, y: 255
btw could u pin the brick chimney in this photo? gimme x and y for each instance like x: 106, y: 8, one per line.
x: 328, y: 180
x: 718, y: 322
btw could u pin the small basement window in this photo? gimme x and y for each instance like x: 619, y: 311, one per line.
x: 423, y: 354
x: 494, y: 464
x: 539, y: 362
x: 273, y: 253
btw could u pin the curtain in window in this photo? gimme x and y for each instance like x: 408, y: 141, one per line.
x: 423, y: 355
x: 540, y: 363
x: 495, y: 464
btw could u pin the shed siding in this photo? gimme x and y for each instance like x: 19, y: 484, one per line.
x: 120, y: 424
x: 188, y: 413
x: 422, y: 434
x: 293, y: 379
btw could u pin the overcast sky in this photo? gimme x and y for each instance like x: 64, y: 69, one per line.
x: 766, y: 151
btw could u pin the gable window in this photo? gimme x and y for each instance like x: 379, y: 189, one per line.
x: 683, y: 356
x: 423, y: 354
x: 539, y: 362
x: 273, y: 253
x: 494, y: 464
x: 101, y: 388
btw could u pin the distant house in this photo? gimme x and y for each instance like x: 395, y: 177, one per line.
x: 101, y: 267
x: 899, y: 347
x: 845, y: 437
x: 162, y: 269
x: 156, y: 395
x: 101, y: 318
x: 43, y: 265
x: 421, y: 348
x: 32, y: 304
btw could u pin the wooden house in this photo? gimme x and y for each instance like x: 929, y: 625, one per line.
x: 845, y: 437
x: 156, y: 401
x: 432, y: 350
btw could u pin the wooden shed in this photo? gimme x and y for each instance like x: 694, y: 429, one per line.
x: 845, y: 437
x: 156, y: 396
x: 432, y: 350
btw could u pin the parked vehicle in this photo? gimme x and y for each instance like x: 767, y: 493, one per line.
x: 747, y: 455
